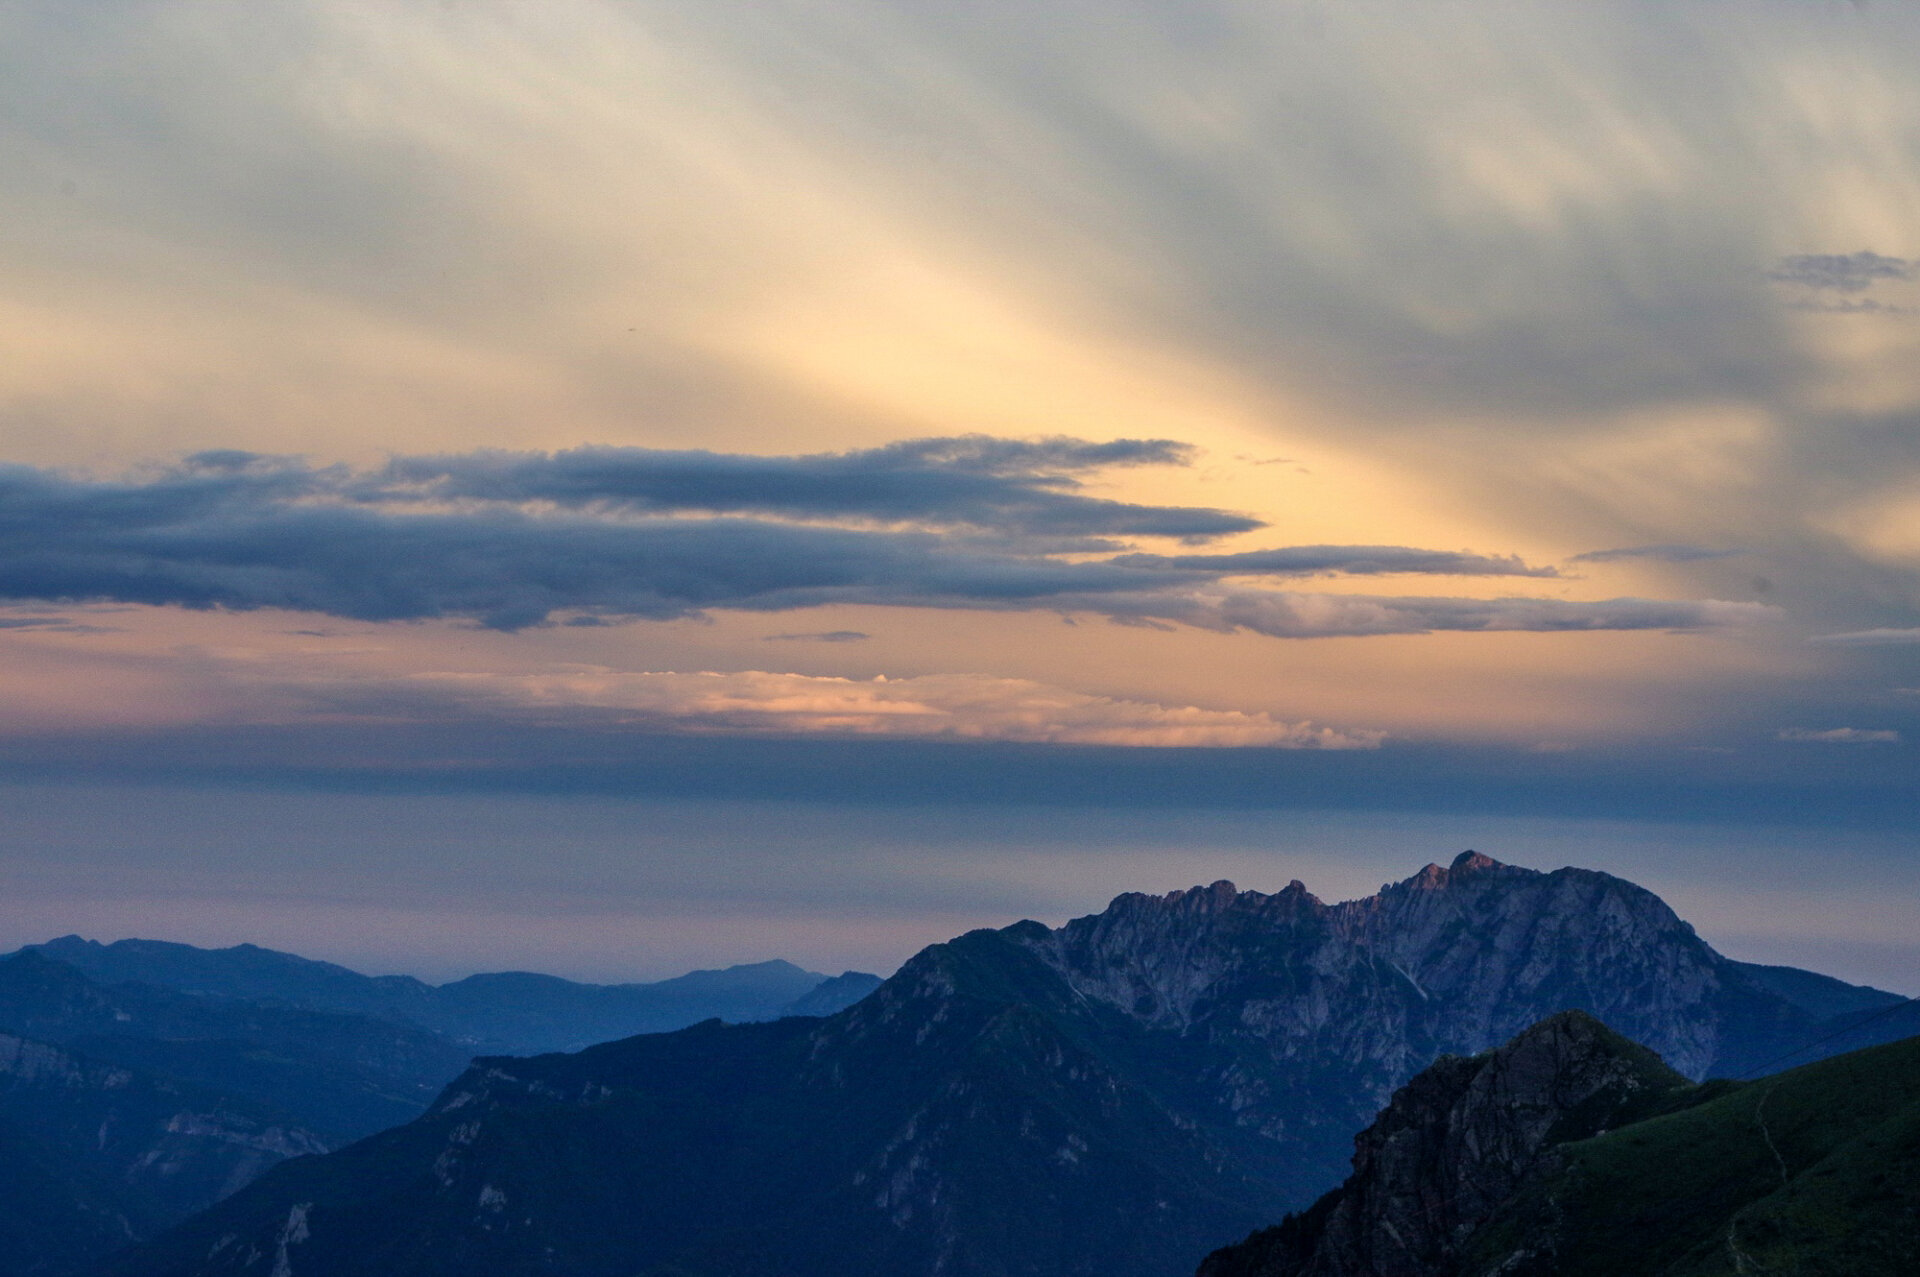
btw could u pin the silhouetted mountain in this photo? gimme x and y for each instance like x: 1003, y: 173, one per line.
x: 513, y: 1012
x: 1573, y: 1153
x: 520, y: 1013
x: 835, y: 994
x: 334, y: 1073
x: 1114, y: 1097
x: 243, y: 971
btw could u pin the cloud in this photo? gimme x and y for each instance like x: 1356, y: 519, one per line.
x: 242, y: 533
x: 1351, y: 560
x: 1839, y: 736
x: 1853, y: 306
x: 1659, y: 553
x: 955, y: 706
x: 50, y: 624
x: 1842, y: 272
x: 981, y: 213
x: 1300, y: 615
x: 827, y: 636
x: 1024, y: 486
x: 1870, y: 638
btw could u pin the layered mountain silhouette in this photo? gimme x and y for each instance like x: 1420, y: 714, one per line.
x: 337, y: 1074
x: 1571, y: 1152
x: 1117, y: 1096
x: 127, y: 1105
x: 506, y: 1012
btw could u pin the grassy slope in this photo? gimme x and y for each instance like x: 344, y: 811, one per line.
x: 1815, y: 1171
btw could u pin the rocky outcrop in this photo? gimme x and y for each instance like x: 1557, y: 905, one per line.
x: 1452, y: 1147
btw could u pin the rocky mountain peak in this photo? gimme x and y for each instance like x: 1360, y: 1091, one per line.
x: 1470, y: 952
x: 1465, y: 865
x: 1473, y: 861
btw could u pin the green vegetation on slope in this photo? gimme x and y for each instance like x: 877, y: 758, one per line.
x: 1812, y: 1172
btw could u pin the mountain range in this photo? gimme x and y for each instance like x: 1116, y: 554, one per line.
x: 143, y: 1081
x: 505, y: 1012
x: 1117, y: 1096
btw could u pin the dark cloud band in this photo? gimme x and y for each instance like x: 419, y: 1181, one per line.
x: 231, y: 530
x: 1026, y: 486
x: 1842, y: 272
x: 1346, y: 560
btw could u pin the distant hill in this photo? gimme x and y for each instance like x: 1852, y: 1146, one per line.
x: 1112, y: 1098
x: 339, y: 1074
x: 512, y: 1013
x: 126, y: 1104
x: 1570, y: 1152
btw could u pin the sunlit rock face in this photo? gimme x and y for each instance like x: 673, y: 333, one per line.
x: 1117, y: 1096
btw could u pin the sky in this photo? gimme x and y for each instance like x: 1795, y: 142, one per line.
x: 618, y: 487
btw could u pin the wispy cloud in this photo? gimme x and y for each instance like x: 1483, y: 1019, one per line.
x: 1870, y: 638
x: 1822, y: 275
x: 1843, y: 272
x: 956, y: 706
x: 1347, y: 560
x: 1839, y: 736
x: 50, y: 624
x: 1301, y: 615
x: 1658, y: 553
x: 820, y: 636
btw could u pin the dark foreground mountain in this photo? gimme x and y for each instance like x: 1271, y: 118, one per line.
x: 1571, y: 1152
x: 1117, y: 1097
x: 507, y: 1012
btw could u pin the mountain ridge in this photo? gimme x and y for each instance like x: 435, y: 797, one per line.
x: 500, y: 1012
x: 1115, y: 1096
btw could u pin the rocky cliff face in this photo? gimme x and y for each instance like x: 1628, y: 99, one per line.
x: 1315, y: 1012
x: 1116, y: 1096
x: 1452, y: 1147
x: 1451, y: 959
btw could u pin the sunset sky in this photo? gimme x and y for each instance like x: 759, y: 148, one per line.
x: 617, y: 487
